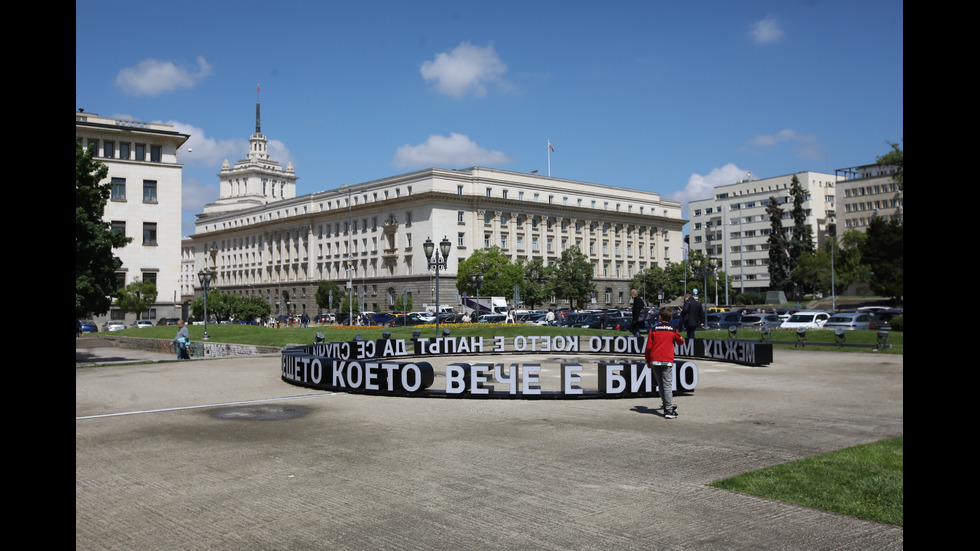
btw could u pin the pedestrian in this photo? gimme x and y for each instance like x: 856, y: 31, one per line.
x: 693, y: 314
x: 639, y: 313
x: 659, y: 355
x: 550, y: 316
x: 182, y: 341
x: 510, y: 317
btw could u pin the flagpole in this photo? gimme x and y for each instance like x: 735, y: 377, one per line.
x: 549, y: 158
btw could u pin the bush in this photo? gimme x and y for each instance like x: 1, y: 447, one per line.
x: 898, y: 323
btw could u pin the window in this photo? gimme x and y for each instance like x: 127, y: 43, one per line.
x: 149, y: 191
x: 149, y: 233
x: 124, y: 151
x: 108, y: 149
x: 118, y: 189
x: 459, y: 216
x: 460, y: 239
x: 119, y: 226
x: 141, y: 152
x: 155, y: 151
x: 459, y: 190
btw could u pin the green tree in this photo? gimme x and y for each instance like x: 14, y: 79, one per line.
x: 779, y: 267
x: 537, y: 283
x: 883, y: 252
x: 249, y: 308
x: 499, y: 273
x: 894, y: 158
x: 324, y: 291
x: 137, y: 297
x: 404, y: 303
x: 573, y: 276
x: 95, y: 263
x: 801, y: 240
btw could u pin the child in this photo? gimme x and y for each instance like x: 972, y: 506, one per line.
x: 659, y: 354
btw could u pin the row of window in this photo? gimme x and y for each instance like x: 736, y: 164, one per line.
x: 861, y: 191
x: 125, y: 150
x: 149, y: 230
x: 505, y: 194
x: 119, y: 190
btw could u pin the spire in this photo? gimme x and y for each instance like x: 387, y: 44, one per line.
x: 258, y: 123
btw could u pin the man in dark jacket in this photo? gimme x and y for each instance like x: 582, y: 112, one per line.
x: 693, y: 314
x: 639, y: 323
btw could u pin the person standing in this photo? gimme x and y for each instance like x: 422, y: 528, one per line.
x: 639, y: 313
x: 693, y: 314
x: 659, y: 355
x: 549, y: 318
x: 182, y: 340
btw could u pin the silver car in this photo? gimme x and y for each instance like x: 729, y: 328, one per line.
x: 758, y: 321
x: 849, y: 321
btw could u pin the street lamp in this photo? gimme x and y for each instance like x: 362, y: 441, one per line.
x: 436, y: 262
x: 477, y: 281
x: 833, y: 290
x: 205, y: 277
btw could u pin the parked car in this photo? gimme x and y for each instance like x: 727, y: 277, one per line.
x: 806, y: 319
x: 167, y: 321
x: 849, y: 321
x: 324, y: 318
x: 589, y: 321
x: 722, y: 320
x: 382, y: 318
x: 409, y: 319
x: 140, y: 324
x: 758, y: 321
x: 114, y: 326
x: 618, y: 323
x: 882, y: 319
x: 492, y: 318
x: 89, y: 326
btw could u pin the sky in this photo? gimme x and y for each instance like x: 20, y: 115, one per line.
x: 669, y: 97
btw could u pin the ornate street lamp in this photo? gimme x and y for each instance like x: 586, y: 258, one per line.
x: 205, y: 277
x: 437, y: 261
x: 477, y: 281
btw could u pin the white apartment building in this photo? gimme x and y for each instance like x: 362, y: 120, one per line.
x: 865, y: 192
x: 733, y: 227
x: 145, y: 202
x: 371, y: 234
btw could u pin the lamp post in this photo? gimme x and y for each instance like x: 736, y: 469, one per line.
x: 205, y: 277
x: 477, y: 281
x: 437, y: 261
x: 833, y: 290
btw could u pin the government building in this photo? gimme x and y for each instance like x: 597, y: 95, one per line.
x: 732, y: 228
x: 260, y: 239
x: 144, y: 204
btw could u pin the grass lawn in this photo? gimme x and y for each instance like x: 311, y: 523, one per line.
x: 864, y: 482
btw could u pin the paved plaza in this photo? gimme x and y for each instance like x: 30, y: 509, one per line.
x: 223, y: 455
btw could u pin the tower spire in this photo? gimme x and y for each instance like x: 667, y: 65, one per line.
x: 258, y: 123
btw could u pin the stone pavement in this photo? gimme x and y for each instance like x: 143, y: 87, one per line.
x: 221, y: 454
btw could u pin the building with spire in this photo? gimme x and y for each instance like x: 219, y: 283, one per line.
x: 262, y: 240
x: 255, y: 180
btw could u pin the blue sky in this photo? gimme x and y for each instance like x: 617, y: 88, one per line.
x: 671, y: 97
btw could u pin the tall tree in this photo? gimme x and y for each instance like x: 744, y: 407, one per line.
x: 327, y: 290
x: 894, y: 158
x: 95, y: 263
x: 779, y: 271
x: 801, y: 240
x: 137, y: 297
x: 884, y: 252
x: 537, y: 283
x: 499, y: 273
x: 573, y: 276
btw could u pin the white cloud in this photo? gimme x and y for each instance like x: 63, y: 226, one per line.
x: 766, y: 31
x: 805, y: 146
x: 152, y: 77
x: 703, y: 187
x: 441, y: 151
x: 467, y: 69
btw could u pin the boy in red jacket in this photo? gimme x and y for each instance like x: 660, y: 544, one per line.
x: 659, y: 355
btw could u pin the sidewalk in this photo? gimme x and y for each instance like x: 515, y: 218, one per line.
x: 221, y: 454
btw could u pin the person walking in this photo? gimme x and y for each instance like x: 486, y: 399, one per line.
x: 659, y: 355
x: 639, y: 313
x: 693, y: 314
x: 182, y: 340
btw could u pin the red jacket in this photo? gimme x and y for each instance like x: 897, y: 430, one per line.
x: 660, y: 343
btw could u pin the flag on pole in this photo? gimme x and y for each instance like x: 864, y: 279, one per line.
x: 551, y: 147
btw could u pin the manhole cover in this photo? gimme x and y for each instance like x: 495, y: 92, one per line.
x: 260, y: 413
